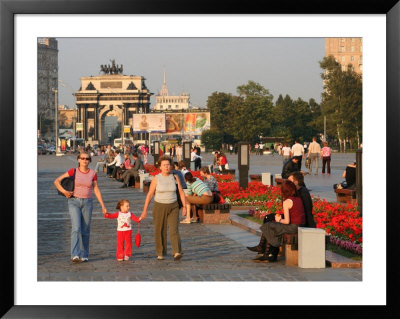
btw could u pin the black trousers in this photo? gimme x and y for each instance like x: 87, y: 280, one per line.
x: 197, y: 164
x: 299, y: 162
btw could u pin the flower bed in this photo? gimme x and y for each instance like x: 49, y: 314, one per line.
x: 341, y: 221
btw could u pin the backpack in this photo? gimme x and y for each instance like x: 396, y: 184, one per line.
x: 68, y: 183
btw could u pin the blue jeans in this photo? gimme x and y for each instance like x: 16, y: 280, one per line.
x: 80, y: 211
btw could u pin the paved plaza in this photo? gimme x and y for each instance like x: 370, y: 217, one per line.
x: 211, y: 252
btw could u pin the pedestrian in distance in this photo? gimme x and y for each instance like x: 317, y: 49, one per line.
x: 298, y: 151
x: 286, y: 153
x: 124, y: 229
x: 314, y: 152
x: 165, y: 209
x: 101, y: 162
x: 326, y: 158
x: 80, y: 205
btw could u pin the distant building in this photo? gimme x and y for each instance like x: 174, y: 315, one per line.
x: 108, y: 95
x: 47, y: 73
x: 345, y: 51
x: 166, y: 102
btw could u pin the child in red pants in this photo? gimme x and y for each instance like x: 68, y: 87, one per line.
x: 124, y: 230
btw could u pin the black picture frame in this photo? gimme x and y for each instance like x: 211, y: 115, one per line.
x: 8, y: 10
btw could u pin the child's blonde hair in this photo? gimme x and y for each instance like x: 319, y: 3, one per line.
x: 121, y: 202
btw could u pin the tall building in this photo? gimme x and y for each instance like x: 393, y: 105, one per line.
x: 47, y: 73
x: 166, y: 102
x: 345, y: 51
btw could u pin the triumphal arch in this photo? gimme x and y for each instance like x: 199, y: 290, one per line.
x: 110, y: 94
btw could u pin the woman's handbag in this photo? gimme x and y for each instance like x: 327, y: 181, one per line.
x: 308, y: 162
x: 138, y: 237
x: 178, y: 196
x: 269, y: 218
x: 68, y: 183
x: 217, y: 198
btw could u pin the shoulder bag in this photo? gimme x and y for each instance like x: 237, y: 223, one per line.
x: 68, y: 183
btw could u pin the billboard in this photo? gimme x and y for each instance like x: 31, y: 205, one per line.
x: 187, y: 123
x: 149, y: 122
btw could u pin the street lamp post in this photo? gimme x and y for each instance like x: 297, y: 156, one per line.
x: 58, y: 152
x: 75, y: 117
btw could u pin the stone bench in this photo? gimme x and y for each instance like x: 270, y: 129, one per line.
x: 146, y: 185
x: 214, y: 213
x: 230, y: 172
x: 311, y: 243
x: 255, y: 177
x: 345, y: 195
x: 290, y: 249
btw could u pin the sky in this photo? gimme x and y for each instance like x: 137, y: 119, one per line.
x: 198, y: 66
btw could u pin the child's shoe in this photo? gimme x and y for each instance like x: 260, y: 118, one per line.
x: 126, y: 258
x: 120, y: 259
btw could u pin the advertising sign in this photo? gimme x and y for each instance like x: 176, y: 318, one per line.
x: 127, y: 129
x: 63, y: 145
x: 65, y: 133
x: 143, y: 123
x: 79, y: 126
x: 187, y: 123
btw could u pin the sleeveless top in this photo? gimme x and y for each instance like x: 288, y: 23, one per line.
x: 296, y: 213
x: 165, y: 189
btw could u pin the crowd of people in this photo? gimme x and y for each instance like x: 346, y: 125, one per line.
x: 313, y: 153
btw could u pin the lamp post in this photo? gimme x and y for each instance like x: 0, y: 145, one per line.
x: 58, y: 152
x: 75, y: 117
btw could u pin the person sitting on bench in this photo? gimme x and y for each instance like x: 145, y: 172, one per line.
x: 133, y: 171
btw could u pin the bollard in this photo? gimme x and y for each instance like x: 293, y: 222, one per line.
x: 243, y: 164
x: 186, y: 153
x: 156, y: 154
x: 142, y: 178
x: 311, y: 244
x: 266, y: 179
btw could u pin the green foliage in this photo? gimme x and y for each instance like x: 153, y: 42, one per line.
x: 251, y: 113
x: 341, y: 100
x: 212, y: 139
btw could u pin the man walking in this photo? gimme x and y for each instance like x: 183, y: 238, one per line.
x: 314, y: 151
x: 298, y: 152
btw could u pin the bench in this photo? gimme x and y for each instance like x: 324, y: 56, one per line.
x: 214, y: 213
x: 146, y: 185
x: 134, y: 183
x: 290, y: 249
x: 346, y: 195
x: 255, y: 177
x: 230, y: 172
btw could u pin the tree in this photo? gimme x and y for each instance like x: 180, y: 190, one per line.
x: 212, y: 139
x: 342, y: 101
x: 217, y: 103
x: 251, y: 112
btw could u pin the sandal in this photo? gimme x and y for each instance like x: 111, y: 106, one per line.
x: 185, y: 221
